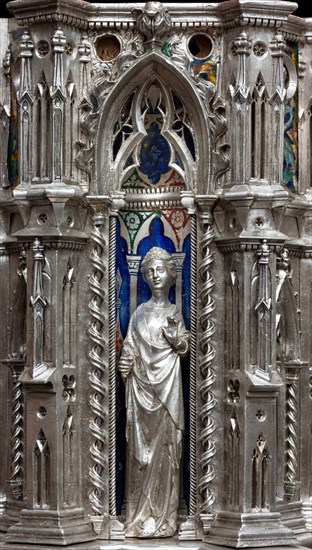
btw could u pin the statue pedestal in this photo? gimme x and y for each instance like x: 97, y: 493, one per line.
x: 131, y: 544
x: 48, y: 527
x: 262, y: 529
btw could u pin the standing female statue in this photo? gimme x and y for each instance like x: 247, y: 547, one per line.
x: 150, y: 366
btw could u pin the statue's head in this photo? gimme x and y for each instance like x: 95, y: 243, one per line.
x: 157, y: 253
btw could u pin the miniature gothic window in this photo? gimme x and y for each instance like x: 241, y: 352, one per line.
x: 153, y: 139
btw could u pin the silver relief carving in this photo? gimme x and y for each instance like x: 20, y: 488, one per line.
x: 5, y: 106
x: 99, y: 367
x: 25, y: 100
x: 277, y: 100
x: 291, y: 484
x: 39, y: 304
x: 58, y: 97
x: 188, y: 529
x: 240, y: 93
x: 263, y: 309
x: 116, y: 527
x: 206, y: 366
x: 105, y: 73
x: 76, y: 117
x: 150, y: 366
x: 17, y: 431
x: 153, y: 20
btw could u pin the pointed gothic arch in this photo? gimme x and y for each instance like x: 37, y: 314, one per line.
x: 152, y: 67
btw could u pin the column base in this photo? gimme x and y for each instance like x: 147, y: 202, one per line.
x: 53, y: 527
x: 261, y: 529
x: 190, y: 529
x: 116, y: 529
x: 12, y: 514
x: 292, y: 517
x: 307, y: 513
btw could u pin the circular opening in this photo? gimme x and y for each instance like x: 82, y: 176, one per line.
x: 41, y: 412
x: 69, y: 49
x: 107, y: 48
x: 259, y: 222
x: 259, y: 49
x: 200, y: 46
x: 43, y: 48
x: 42, y: 218
x: 260, y: 416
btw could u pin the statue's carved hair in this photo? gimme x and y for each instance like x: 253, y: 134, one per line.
x: 157, y: 253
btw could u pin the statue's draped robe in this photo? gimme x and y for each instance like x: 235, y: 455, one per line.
x: 155, y: 423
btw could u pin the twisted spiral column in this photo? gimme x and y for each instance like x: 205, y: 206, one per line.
x: 292, y: 437
x: 17, y: 432
x: 193, y: 356
x: 112, y: 366
x: 99, y: 366
x: 206, y: 357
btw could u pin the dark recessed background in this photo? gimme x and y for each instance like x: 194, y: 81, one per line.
x: 304, y: 9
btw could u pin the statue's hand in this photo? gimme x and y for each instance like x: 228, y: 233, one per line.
x: 171, y: 336
x: 125, y: 365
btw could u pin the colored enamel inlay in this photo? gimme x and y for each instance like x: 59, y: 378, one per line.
x: 290, y: 161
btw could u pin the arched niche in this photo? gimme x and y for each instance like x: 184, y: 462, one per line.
x: 184, y: 211
x: 152, y: 65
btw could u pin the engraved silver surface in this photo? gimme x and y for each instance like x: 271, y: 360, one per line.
x: 73, y: 77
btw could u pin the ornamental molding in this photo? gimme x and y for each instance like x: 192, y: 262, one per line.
x: 227, y: 246
x: 153, y: 20
x: 205, y: 94
x: 96, y: 17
